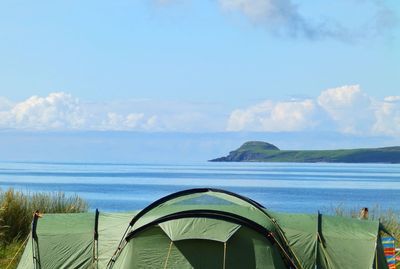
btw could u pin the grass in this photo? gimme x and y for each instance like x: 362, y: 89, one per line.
x: 16, y: 212
x: 8, y: 252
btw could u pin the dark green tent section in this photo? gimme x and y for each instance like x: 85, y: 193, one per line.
x: 333, y: 242
x: 203, y: 228
x: 67, y: 240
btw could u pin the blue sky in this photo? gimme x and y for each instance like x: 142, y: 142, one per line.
x: 201, y: 66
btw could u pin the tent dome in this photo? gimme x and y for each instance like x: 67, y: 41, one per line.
x: 201, y: 228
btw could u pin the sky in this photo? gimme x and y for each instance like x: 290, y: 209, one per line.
x: 217, y: 66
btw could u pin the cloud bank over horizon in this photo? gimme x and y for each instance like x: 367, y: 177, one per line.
x: 345, y: 109
x: 61, y: 111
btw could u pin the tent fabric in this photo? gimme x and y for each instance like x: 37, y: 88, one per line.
x: 199, y: 228
x: 337, y: 243
x: 204, y: 228
x: 208, y: 201
x: 154, y: 249
x: 67, y: 240
x: 64, y: 241
x: 111, y: 227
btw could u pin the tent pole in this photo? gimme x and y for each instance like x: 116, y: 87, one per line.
x: 320, y: 240
x: 169, y: 252
x: 282, y: 237
x: 224, y: 264
x: 96, y: 239
x: 35, y: 241
x: 317, y: 240
x: 283, y: 251
x: 111, y: 262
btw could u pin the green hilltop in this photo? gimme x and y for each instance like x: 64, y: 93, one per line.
x: 258, y: 151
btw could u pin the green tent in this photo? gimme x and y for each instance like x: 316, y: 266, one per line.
x: 203, y: 228
x: 68, y: 240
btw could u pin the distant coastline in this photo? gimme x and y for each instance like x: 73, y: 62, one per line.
x: 259, y: 151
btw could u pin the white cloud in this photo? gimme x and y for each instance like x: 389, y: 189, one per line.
x: 345, y: 109
x: 387, y: 117
x: 350, y: 108
x: 273, y: 117
x: 61, y: 111
x: 355, y: 112
x: 393, y: 98
x: 174, y: 115
x: 132, y: 121
x: 56, y: 111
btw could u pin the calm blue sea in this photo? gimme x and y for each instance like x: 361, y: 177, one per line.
x: 286, y: 187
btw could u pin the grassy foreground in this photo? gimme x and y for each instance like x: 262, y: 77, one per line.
x: 16, y: 212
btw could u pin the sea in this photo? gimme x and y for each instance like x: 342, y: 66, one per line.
x: 287, y: 187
